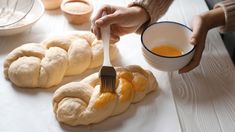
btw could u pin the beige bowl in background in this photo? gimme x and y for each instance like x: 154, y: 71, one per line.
x: 77, y: 11
x: 51, y: 4
x: 172, y: 33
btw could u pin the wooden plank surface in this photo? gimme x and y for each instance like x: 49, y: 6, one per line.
x: 205, y: 97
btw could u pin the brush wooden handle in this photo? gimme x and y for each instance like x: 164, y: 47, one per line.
x: 105, y: 34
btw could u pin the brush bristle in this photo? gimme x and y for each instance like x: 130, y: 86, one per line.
x: 108, y: 79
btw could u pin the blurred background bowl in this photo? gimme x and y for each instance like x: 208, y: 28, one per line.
x: 26, y: 23
x: 13, y: 11
x: 51, y: 4
x: 170, y: 33
x: 77, y: 11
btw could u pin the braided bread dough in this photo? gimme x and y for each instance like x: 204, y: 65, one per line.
x: 81, y: 103
x: 45, y: 64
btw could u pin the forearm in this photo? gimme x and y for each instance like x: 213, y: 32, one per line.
x: 142, y: 14
x: 154, y: 8
x: 214, y: 18
x: 228, y: 7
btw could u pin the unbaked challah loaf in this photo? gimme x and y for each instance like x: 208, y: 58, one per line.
x: 45, y: 64
x: 81, y: 103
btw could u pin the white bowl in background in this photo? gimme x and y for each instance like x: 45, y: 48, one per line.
x: 33, y: 16
x: 173, y: 34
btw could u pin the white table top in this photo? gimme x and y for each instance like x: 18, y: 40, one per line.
x: 200, y: 101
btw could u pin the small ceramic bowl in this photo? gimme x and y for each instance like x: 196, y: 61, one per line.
x: 51, y: 4
x: 77, y: 11
x: 173, y: 34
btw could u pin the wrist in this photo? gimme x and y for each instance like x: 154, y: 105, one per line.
x: 214, y: 18
x: 143, y: 14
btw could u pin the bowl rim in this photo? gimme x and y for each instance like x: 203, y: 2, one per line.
x: 169, y: 22
x: 31, y: 22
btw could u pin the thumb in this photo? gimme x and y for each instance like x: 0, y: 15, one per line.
x: 193, y: 40
x: 198, y: 30
x: 195, y: 35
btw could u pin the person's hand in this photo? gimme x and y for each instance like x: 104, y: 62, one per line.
x: 201, y: 24
x: 198, y: 39
x: 122, y: 20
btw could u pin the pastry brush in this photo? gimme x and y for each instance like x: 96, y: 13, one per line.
x: 107, y: 72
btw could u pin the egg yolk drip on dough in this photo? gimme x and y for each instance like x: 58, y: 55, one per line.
x: 139, y: 82
x: 126, y: 91
x: 128, y: 83
x: 126, y: 74
x: 104, y: 99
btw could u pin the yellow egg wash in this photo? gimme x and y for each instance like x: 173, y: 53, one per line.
x: 126, y: 74
x: 166, y: 50
x: 104, y: 99
x: 139, y: 82
x: 126, y: 91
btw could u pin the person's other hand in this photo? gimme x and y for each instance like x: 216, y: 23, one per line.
x: 198, y: 39
x: 122, y: 20
x: 201, y: 24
